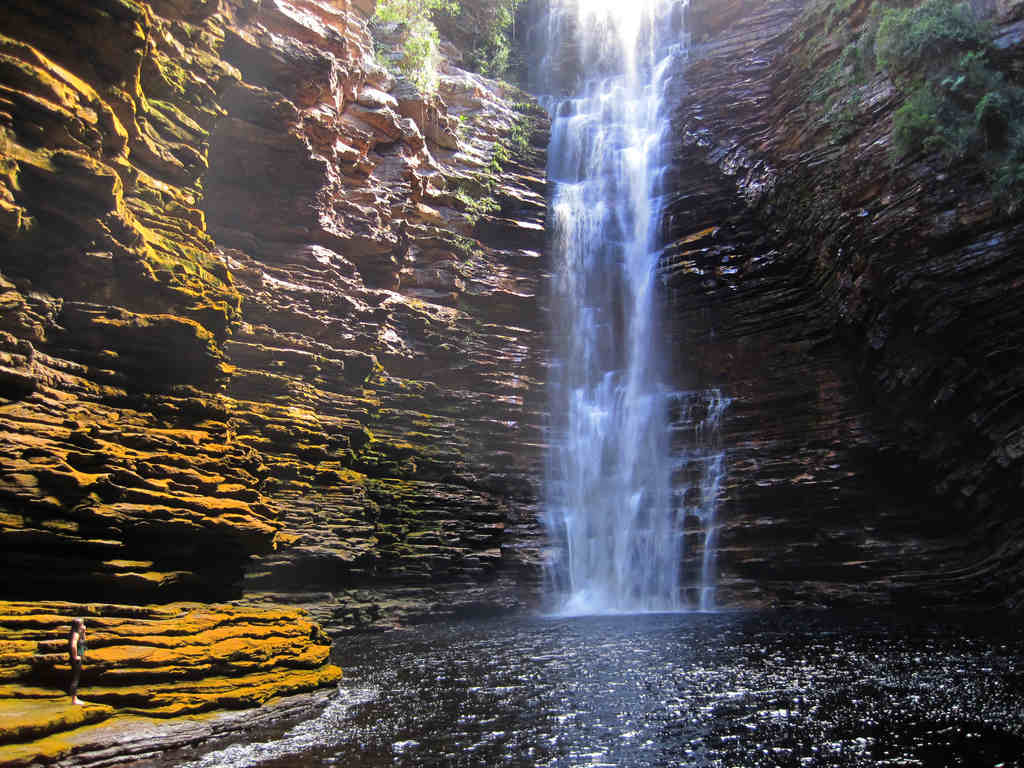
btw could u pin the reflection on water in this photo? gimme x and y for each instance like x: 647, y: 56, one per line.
x: 667, y: 690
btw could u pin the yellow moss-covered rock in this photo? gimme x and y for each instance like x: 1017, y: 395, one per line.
x: 28, y: 719
x: 103, y: 165
x: 133, y: 507
x: 241, y: 323
x: 158, y: 661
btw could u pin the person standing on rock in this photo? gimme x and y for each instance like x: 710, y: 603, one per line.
x: 76, y: 654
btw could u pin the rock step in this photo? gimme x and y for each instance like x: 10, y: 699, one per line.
x: 158, y: 661
x: 26, y: 720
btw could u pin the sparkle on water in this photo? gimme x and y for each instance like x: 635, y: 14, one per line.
x: 696, y: 690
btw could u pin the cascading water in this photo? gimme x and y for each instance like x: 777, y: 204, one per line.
x: 699, y: 468
x: 615, y: 522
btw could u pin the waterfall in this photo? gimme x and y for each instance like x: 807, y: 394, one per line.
x: 615, y: 519
x: 699, y: 469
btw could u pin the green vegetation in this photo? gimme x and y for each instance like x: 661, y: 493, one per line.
x: 475, y: 207
x: 957, y: 103
x: 914, y: 39
x: 484, y: 28
x: 420, y: 55
x: 517, y: 140
x: 470, y: 249
x: 939, y: 55
x: 477, y: 193
x: 491, y: 52
x: 855, y: 65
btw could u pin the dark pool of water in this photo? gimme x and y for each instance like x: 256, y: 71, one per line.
x: 666, y: 690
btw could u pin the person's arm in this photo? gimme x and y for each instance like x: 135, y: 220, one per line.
x: 73, y: 646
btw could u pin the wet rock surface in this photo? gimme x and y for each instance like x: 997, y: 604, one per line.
x: 121, y: 738
x: 861, y: 314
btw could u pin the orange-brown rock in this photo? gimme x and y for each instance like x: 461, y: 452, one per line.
x: 246, y: 312
x: 158, y: 662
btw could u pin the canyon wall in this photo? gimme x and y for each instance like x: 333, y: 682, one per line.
x: 248, y: 308
x: 257, y: 339
x: 860, y: 311
x: 269, y: 331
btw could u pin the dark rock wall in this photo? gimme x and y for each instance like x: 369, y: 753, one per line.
x: 863, y: 316
x: 245, y: 313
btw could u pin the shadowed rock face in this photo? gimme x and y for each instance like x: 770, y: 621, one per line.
x: 864, y: 317
x: 244, y: 311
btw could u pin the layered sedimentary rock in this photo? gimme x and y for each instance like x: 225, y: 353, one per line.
x: 161, y: 662
x: 862, y: 314
x: 261, y: 298
x: 250, y: 307
x: 113, y: 740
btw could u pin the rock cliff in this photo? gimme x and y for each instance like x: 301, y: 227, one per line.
x: 271, y: 320
x: 268, y: 327
x: 249, y: 306
x: 861, y: 310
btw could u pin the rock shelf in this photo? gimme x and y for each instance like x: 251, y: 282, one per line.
x: 153, y: 662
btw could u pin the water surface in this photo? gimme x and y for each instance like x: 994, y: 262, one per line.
x: 666, y: 690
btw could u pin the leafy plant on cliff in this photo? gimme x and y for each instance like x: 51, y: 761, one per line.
x: 956, y: 102
x: 484, y: 30
x: 912, y: 40
x: 469, y: 249
x: 520, y: 134
x: 938, y: 53
x: 477, y: 196
x: 824, y: 26
x: 492, y: 54
x: 1008, y: 179
x: 855, y: 64
x: 475, y: 206
x: 420, y: 56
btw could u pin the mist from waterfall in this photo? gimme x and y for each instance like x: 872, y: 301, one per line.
x: 615, y: 518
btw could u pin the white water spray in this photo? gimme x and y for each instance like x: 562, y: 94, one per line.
x: 698, y: 471
x: 614, y: 520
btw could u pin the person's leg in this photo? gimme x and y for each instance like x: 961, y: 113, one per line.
x: 76, y: 674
